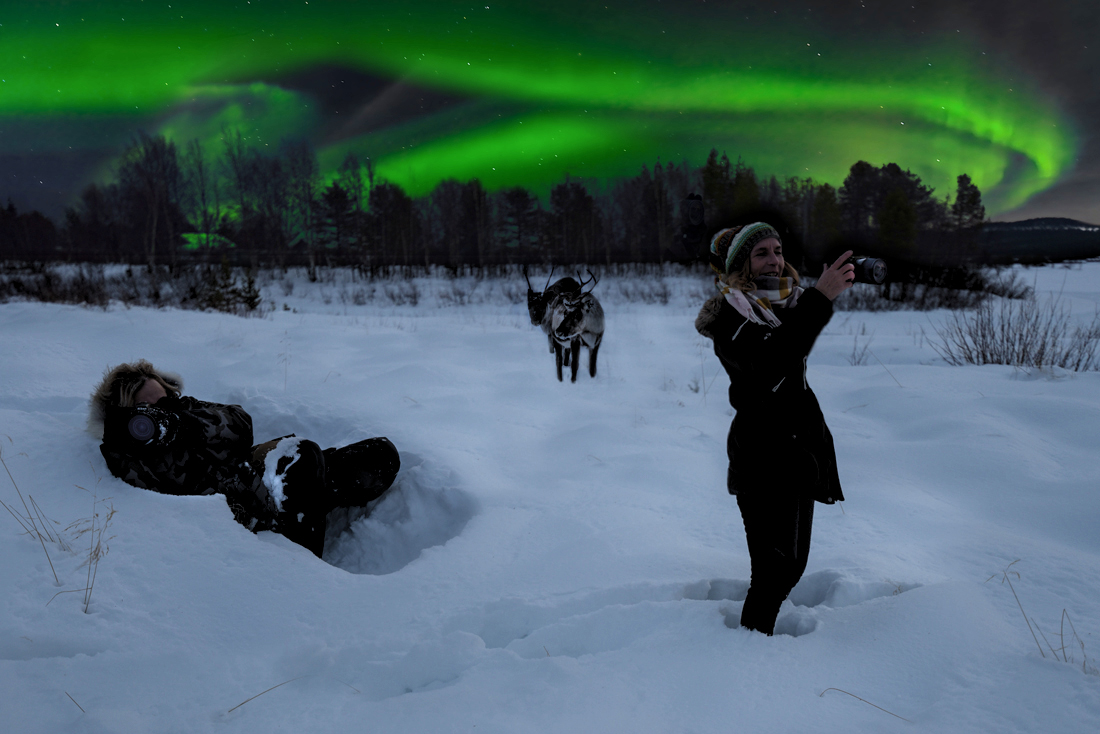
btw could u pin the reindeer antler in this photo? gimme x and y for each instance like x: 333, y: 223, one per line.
x: 593, y: 280
x: 548, y: 277
x: 527, y: 279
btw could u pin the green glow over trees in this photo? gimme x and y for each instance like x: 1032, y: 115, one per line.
x: 571, y: 89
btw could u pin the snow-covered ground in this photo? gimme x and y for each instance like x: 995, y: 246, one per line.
x: 553, y: 557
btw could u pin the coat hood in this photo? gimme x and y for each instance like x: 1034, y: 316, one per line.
x: 708, y: 314
x: 125, y: 378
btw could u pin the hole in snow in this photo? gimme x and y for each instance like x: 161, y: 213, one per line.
x: 421, y: 510
x: 836, y: 589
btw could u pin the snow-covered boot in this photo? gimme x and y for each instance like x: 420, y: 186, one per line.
x: 294, y: 474
x: 361, y: 472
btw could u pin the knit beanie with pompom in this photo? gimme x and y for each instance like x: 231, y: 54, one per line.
x: 730, y: 247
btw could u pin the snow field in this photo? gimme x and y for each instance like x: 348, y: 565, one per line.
x: 553, y: 556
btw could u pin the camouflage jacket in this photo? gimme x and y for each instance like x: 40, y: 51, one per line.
x: 201, y: 448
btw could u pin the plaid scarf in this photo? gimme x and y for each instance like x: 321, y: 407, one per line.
x: 757, y: 306
x: 772, y: 292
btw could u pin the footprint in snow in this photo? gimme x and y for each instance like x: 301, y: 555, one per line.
x: 831, y: 589
x: 610, y: 619
x: 589, y: 622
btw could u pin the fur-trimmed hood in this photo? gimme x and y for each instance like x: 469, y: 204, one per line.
x: 708, y: 314
x: 122, y: 379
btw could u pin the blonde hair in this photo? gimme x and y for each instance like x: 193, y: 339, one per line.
x: 130, y: 385
x: 119, y: 386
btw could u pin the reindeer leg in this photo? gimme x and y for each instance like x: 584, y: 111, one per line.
x: 575, y: 348
x: 566, y: 355
x: 592, y: 356
x: 550, y: 339
x: 557, y: 359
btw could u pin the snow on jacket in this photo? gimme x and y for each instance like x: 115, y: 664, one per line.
x: 198, y: 448
x: 778, y: 437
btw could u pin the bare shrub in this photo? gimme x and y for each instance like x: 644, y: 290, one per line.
x: 223, y: 289
x: 403, y: 293
x: 912, y: 297
x: 959, y: 288
x: 454, y: 294
x: 1023, y: 333
x: 357, y: 295
x: 1008, y: 285
x: 858, y: 357
x: 83, y: 284
x: 514, y: 292
x: 645, y: 290
x: 199, y: 287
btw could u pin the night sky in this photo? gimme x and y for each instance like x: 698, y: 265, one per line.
x: 512, y: 93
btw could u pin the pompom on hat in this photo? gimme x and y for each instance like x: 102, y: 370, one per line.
x: 730, y: 247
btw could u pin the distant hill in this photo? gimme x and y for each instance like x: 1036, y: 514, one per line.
x: 1045, y: 239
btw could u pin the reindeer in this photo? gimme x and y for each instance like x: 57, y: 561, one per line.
x: 540, y: 305
x: 576, y: 318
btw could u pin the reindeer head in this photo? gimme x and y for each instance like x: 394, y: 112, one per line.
x: 572, y: 308
x: 568, y: 320
x: 536, y: 301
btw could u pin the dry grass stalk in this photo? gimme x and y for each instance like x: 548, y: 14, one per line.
x: 1005, y: 573
x: 45, y: 522
x: 97, y: 549
x: 42, y: 522
x: 97, y: 546
x: 880, y: 708
x: 77, y: 704
x: 66, y: 591
x: 242, y: 703
x: 18, y: 519
x: 1086, y: 668
x: 33, y: 530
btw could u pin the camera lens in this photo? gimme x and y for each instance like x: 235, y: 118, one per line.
x: 878, y: 271
x: 142, y: 427
x: 868, y: 269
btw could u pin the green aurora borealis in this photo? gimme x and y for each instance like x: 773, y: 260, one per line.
x: 529, y: 94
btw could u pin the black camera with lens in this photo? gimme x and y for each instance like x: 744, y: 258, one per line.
x: 868, y: 269
x: 141, y: 426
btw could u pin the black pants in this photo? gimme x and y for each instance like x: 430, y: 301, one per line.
x: 361, y: 472
x: 777, y: 528
x: 320, y: 481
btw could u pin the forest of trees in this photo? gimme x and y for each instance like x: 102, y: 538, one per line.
x: 170, y: 206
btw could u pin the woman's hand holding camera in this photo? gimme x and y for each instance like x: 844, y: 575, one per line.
x: 837, y: 278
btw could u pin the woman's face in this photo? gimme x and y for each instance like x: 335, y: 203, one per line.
x: 766, y: 258
x: 150, y: 392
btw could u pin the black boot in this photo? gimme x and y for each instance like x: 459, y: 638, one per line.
x: 305, y: 500
x: 361, y: 472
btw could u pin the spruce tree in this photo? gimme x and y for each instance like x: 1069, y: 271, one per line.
x: 967, y: 211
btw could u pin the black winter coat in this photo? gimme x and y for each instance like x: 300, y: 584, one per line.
x: 198, y: 448
x: 778, y: 437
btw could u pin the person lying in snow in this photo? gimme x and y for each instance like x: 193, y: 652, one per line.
x: 155, y: 438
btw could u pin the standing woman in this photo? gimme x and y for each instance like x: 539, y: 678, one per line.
x: 780, y: 450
